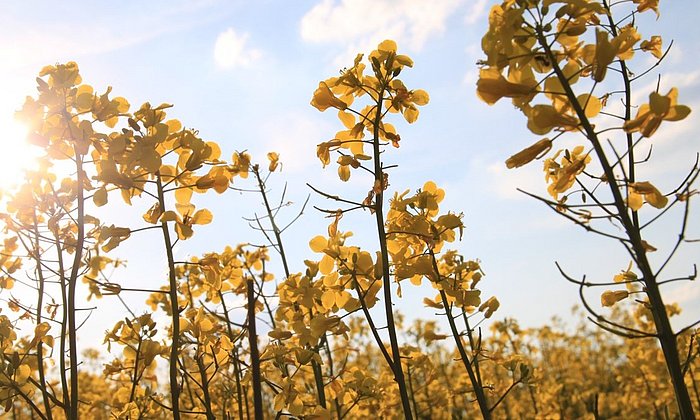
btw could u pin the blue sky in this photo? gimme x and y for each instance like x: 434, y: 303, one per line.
x: 243, y: 73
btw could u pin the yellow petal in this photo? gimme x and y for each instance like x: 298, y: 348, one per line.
x: 604, y: 55
x: 529, y: 154
x: 202, y: 217
x: 183, y: 195
x: 610, y: 297
x: 431, y: 303
x: 344, y: 173
x: 387, y: 46
x: 100, y: 197
x: 318, y: 243
x: 323, y: 98
x: 492, y: 86
x: 328, y: 299
x: 591, y: 104
x: 346, y: 118
x: 410, y: 114
x: 634, y: 201
x: 420, y: 97
x: 651, y: 194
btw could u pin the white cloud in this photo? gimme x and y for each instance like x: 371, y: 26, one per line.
x: 505, y: 182
x: 294, y: 136
x: 231, y: 50
x: 668, y: 80
x: 687, y: 293
x: 474, y: 53
x: 26, y: 44
x: 362, y: 24
x: 476, y: 12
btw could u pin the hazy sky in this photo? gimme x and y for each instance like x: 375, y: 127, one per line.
x: 243, y: 73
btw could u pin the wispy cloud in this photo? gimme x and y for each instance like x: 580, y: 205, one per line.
x: 231, y: 50
x: 505, y: 182
x: 475, y: 12
x: 24, y: 43
x: 294, y: 136
x: 361, y: 24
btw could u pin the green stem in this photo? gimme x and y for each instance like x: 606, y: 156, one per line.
x: 318, y: 373
x: 386, y: 279
x: 478, y: 389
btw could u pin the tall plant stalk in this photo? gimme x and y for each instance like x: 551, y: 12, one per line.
x: 174, y: 308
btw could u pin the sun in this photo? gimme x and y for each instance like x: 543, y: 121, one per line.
x: 16, y: 154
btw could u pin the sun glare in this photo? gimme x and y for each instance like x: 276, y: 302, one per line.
x: 17, y: 154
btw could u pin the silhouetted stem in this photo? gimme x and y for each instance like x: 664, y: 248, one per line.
x: 665, y: 333
x: 466, y: 361
x: 318, y: 373
x: 205, y: 388
x: 64, y: 327
x: 135, y: 379
x: 39, y: 306
x: 174, y: 308
x: 478, y: 389
x: 372, y: 326
x: 254, y: 353
x: 72, y: 284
